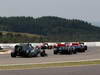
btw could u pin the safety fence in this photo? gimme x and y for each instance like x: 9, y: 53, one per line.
x: 11, y: 45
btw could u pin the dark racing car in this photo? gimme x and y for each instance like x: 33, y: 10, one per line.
x: 70, y: 48
x: 80, y: 47
x: 64, y: 49
x: 27, y: 50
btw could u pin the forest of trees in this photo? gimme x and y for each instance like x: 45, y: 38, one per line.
x: 49, y: 28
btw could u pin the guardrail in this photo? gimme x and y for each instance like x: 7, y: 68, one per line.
x: 11, y: 45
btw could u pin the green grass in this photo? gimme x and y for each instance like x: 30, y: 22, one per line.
x: 3, y: 50
x: 64, y: 64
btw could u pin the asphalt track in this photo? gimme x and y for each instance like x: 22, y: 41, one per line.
x: 80, y: 70
x: 91, y: 53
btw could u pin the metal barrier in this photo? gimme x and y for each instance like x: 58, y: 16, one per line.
x: 11, y: 45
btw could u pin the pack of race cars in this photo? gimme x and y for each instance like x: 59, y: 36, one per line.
x: 27, y: 50
x: 70, y: 48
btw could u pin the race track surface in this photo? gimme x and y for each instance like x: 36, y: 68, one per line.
x: 81, y: 70
x: 91, y: 53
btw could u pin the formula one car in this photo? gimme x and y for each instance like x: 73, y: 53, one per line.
x: 27, y: 50
x: 80, y: 47
x: 46, y: 46
x: 65, y: 49
x: 70, y: 48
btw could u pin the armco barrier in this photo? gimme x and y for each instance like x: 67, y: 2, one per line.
x: 97, y: 43
x: 8, y: 45
x: 11, y: 45
x: 36, y: 44
x: 90, y: 44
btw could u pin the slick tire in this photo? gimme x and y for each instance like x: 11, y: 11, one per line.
x: 74, y: 52
x: 13, y: 54
x: 43, y: 54
x: 85, y: 47
x: 55, y: 52
x: 83, y: 50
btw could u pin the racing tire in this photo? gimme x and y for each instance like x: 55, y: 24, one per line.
x: 13, y: 54
x: 74, y: 51
x: 42, y: 54
x: 55, y: 52
x: 83, y: 50
x: 85, y: 47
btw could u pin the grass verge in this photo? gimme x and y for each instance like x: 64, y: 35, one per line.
x: 64, y: 64
x: 3, y: 50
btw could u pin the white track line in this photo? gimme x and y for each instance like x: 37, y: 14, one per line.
x: 48, y: 62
